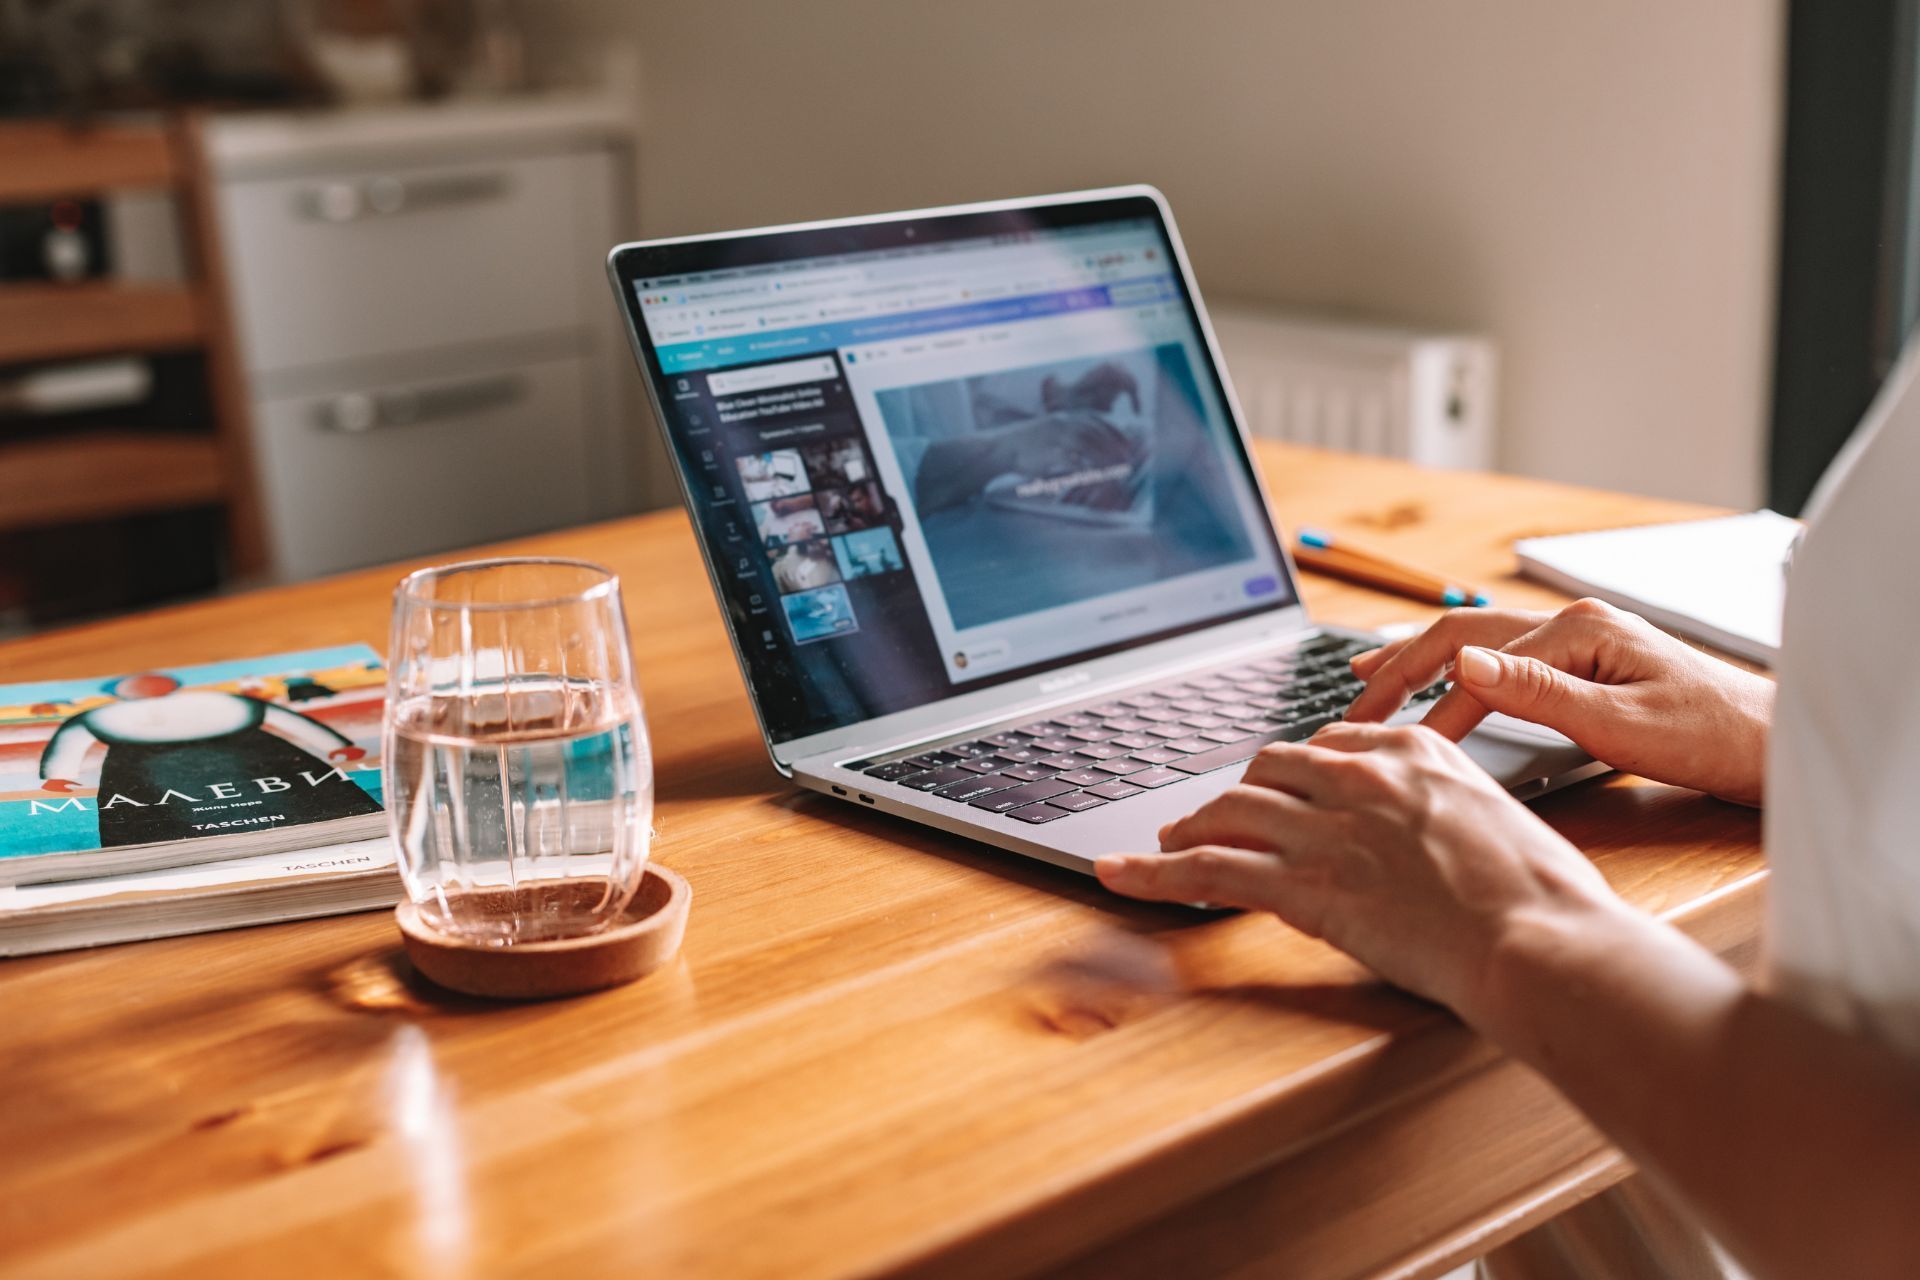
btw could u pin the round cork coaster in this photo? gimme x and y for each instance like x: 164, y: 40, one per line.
x: 646, y: 937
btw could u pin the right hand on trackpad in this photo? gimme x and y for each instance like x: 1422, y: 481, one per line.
x: 1621, y: 689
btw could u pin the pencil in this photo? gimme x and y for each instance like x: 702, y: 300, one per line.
x: 1318, y: 551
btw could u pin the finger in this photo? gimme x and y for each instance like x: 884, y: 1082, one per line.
x: 1457, y: 713
x: 1426, y: 657
x: 1301, y: 769
x: 1348, y: 736
x: 1365, y: 664
x: 1377, y: 741
x: 1323, y: 774
x: 1247, y: 817
x: 1569, y: 642
x: 1212, y: 874
x: 1522, y: 685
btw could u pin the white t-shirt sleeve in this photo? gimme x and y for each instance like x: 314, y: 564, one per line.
x: 1843, y: 776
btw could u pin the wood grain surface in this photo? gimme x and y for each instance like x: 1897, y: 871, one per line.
x: 100, y: 474
x: 59, y: 321
x: 41, y: 161
x: 882, y: 1050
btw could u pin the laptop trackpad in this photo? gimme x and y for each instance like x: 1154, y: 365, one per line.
x: 1519, y: 755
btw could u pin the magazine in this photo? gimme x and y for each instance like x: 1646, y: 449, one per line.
x: 183, y: 765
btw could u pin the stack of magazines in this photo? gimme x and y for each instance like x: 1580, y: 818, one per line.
x: 187, y: 799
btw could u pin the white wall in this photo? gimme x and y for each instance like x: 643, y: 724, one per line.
x: 1592, y: 184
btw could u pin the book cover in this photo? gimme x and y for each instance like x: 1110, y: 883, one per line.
x: 180, y: 754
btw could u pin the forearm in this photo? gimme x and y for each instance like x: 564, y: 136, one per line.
x: 1799, y: 1146
x: 1743, y: 738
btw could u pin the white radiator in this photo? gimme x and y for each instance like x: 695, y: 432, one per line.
x: 1426, y: 397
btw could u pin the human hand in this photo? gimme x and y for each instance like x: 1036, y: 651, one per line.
x: 1626, y: 692
x: 954, y: 471
x: 1064, y: 441
x: 1390, y: 843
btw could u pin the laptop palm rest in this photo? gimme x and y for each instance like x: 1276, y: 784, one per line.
x: 1526, y: 759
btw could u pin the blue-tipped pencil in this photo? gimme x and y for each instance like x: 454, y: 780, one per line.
x: 1319, y: 552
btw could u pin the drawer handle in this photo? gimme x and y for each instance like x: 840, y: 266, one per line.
x: 361, y: 411
x: 387, y: 196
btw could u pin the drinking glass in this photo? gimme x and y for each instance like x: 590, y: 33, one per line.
x: 519, y: 782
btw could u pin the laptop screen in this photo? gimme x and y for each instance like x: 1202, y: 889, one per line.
x: 933, y: 455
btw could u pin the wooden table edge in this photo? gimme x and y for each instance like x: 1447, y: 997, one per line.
x: 1060, y: 1236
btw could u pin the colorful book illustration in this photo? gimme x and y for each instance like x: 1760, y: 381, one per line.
x: 182, y: 765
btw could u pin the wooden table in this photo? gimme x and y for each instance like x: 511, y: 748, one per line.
x: 883, y: 1050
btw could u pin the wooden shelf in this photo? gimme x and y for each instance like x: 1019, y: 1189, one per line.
x: 92, y: 475
x: 100, y: 474
x: 48, y: 161
x: 53, y: 321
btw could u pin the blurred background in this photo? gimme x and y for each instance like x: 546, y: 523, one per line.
x: 291, y: 288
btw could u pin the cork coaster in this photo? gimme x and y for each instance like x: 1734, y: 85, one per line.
x: 647, y: 937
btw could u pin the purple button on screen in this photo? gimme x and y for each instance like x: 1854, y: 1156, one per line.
x: 1263, y: 586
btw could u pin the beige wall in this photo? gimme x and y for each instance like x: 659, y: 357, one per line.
x: 1592, y: 184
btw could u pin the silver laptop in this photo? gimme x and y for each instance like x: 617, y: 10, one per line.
x: 978, y: 506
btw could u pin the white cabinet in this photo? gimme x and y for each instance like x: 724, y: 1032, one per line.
x: 352, y: 264
x: 432, y: 352
x: 394, y: 469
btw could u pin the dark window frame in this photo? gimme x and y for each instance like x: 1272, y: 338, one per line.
x: 1849, y: 282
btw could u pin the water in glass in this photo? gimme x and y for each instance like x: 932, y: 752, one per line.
x: 519, y: 781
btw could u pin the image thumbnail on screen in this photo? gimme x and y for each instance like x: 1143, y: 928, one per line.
x: 866, y: 553
x: 815, y: 615
x: 782, y: 521
x: 777, y: 474
x: 1065, y: 481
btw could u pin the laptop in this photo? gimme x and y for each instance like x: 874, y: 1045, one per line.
x: 980, y: 512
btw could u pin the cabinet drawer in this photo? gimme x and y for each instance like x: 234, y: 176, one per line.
x: 340, y: 266
x: 403, y: 469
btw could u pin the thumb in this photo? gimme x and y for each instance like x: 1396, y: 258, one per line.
x: 1526, y: 688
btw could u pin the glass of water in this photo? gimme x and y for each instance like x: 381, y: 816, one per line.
x: 519, y: 782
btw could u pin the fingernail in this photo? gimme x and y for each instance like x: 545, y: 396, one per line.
x: 1111, y: 867
x: 1477, y: 666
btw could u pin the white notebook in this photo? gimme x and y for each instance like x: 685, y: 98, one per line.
x: 1722, y: 580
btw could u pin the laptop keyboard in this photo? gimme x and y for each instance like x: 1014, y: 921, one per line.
x: 1095, y: 755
